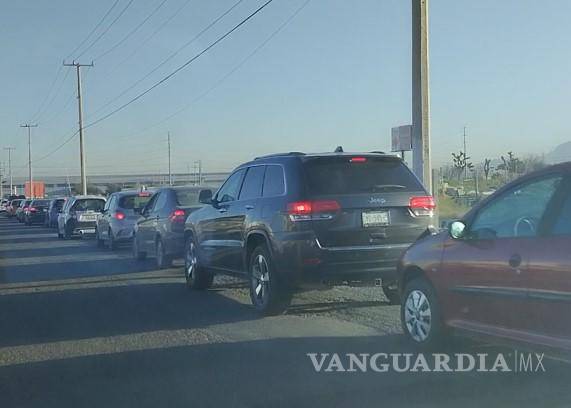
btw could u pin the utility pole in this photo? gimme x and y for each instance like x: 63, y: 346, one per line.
x: 78, y: 66
x: 465, y: 157
x: 30, y: 126
x: 169, y: 144
x: 421, y: 164
x: 10, y: 167
x: 200, y: 172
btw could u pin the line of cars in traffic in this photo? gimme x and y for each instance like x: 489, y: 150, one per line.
x: 293, y: 221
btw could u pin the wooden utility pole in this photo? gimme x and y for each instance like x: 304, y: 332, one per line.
x: 30, y: 126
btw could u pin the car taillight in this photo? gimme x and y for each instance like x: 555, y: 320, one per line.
x: 358, y: 160
x: 32, y: 209
x: 178, y: 216
x: 422, y: 205
x: 311, y: 210
x: 119, y: 215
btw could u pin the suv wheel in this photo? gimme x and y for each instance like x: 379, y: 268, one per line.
x: 420, y: 314
x: 163, y: 260
x: 391, y: 292
x: 112, y: 241
x: 265, y: 292
x: 138, y: 255
x: 197, y: 277
x: 100, y: 242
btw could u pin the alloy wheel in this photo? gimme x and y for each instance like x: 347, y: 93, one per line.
x: 418, y: 315
x: 260, y: 278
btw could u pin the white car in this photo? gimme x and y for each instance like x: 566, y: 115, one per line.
x: 79, y: 216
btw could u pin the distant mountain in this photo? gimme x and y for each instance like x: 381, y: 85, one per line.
x: 560, y: 154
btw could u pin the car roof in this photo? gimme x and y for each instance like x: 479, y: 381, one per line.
x: 131, y: 192
x: 83, y: 197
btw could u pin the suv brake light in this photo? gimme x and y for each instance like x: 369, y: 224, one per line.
x: 178, y: 215
x: 422, y: 205
x: 32, y: 209
x: 119, y: 215
x: 310, y: 210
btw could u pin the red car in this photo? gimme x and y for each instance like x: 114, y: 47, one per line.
x: 503, y: 271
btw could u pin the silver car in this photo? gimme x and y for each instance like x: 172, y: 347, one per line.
x: 116, y: 223
x: 79, y: 216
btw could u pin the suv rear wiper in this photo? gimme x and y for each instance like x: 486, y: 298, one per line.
x: 377, y: 187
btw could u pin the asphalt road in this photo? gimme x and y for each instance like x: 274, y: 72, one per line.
x: 82, y: 326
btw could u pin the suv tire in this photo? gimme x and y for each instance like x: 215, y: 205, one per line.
x: 266, y: 293
x: 138, y: 255
x: 197, y: 276
x: 100, y: 242
x: 391, y: 292
x: 420, y: 315
x: 112, y: 242
x: 163, y: 260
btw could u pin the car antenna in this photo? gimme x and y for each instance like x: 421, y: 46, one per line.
x: 339, y: 149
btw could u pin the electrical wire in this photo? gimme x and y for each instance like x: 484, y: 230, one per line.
x: 180, y: 68
x: 107, y: 29
x: 133, y: 31
x: 94, y: 29
x: 170, y: 57
x: 147, y: 39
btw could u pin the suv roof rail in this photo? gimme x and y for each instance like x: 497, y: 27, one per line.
x: 280, y: 154
x: 378, y: 151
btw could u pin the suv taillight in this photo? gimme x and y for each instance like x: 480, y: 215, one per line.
x: 422, y: 206
x: 32, y: 209
x: 178, y: 216
x: 119, y: 215
x: 312, y: 210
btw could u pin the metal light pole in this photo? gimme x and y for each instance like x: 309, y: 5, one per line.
x: 421, y: 94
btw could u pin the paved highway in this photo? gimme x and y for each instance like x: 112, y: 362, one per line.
x: 81, y: 326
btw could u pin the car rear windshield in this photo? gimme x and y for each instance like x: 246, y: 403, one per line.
x: 131, y: 202
x: 89, y: 204
x: 59, y: 203
x: 41, y: 203
x: 357, y: 175
x: 187, y: 198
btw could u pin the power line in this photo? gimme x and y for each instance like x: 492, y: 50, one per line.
x: 35, y: 115
x: 52, y: 100
x: 92, y: 31
x: 180, y: 68
x: 133, y: 31
x: 227, y: 75
x: 170, y: 57
x: 155, y: 32
x: 106, y: 30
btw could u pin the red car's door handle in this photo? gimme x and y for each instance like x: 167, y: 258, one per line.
x: 515, y: 261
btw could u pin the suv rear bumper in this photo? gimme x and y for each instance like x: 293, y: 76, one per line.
x: 303, y: 261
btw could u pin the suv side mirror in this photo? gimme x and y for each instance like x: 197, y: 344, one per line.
x: 457, y: 229
x: 205, y: 196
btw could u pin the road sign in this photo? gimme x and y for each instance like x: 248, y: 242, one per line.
x: 401, y: 138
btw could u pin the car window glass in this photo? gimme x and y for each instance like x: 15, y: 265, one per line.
x: 274, y: 184
x: 108, y: 203
x: 89, y: 204
x: 135, y: 201
x: 562, y: 225
x: 229, y: 191
x: 517, y: 212
x: 187, y: 198
x: 252, y: 186
x: 161, y: 202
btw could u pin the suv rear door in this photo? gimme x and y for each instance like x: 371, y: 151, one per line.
x: 369, y: 200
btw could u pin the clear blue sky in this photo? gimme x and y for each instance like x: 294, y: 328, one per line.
x: 338, y: 74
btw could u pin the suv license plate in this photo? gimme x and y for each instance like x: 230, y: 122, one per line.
x: 375, y: 218
x: 88, y: 218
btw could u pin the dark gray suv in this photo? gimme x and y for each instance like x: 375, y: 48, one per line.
x: 295, y: 220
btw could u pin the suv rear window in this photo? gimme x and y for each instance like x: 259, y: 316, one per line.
x: 187, y: 198
x: 131, y: 202
x: 346, y: 175
x: 89, y: 204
